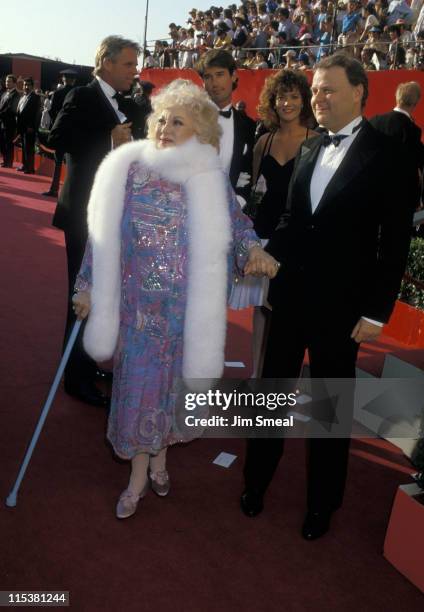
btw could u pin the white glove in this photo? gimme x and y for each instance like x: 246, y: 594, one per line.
x: 243, y: 180
x: 241, y: 201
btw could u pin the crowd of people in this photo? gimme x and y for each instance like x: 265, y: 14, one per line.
x: 157, y: 241
x: 27, y: 115
x: 293, y: 34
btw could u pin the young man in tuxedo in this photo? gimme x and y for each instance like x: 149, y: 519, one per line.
x: 343, y: 253
x: 218, y: 71
x: 399, y: 123
x: 69, y: 79
x: 93, y: 120
x: 27, y: 121
x: 8, y: 107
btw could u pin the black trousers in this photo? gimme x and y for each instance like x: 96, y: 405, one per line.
x: 332, y: 354
x: 58, y: 160
x: 28, y: 144
x: 80, y: 367
x: 7, y: 136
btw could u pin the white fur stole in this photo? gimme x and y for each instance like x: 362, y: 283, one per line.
x: 197, y: 167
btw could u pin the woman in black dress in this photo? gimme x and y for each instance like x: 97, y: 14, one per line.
x: 285, y: 109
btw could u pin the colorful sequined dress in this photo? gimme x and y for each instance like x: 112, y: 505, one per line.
x: 149, y: 354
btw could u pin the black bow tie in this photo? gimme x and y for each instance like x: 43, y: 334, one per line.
x: 119, y: 98
x: 226, y: 114
x: 335, y: 140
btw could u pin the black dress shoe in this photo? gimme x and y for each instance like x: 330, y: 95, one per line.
x: 50, y: 194
x: 29, y: 171
x: 88, y: 393
x: 316, y: 524
x: 251, y: 502
x: 104, y: 375
x: 3, y: 165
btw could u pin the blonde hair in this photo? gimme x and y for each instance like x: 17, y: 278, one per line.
x: 408, y: 94
x: 110, y: 48
x: 184, y: 93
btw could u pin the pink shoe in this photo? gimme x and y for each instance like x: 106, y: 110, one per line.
x: 128, y: 502
x: 160, y: 482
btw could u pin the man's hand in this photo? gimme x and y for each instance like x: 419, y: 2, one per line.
x: 81, y: 304
x: 364, y: 331
x: 261, y: 263
x: 243, y: 179
x: 121, y: 134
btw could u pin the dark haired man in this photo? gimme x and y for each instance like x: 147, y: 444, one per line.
x: 218, y: 71
x: 69, y: 79
x: 27, y: 121
x: 342, y: 253
x: 93, y: 120
x: 8, y: 107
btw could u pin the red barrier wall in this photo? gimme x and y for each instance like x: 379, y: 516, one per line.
x: 382, y: 87
x: 27, y: 68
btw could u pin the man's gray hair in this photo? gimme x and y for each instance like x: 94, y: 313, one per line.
x: 408, y: 94
x: 110, y: 48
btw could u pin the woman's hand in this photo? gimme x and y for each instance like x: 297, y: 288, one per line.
x: 81, y: 304
x: 261, y: 263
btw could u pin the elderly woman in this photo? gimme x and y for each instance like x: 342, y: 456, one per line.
x: 165, y: 231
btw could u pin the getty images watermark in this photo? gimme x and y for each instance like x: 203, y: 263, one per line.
x: 238, y: 399
x: 333, y: 408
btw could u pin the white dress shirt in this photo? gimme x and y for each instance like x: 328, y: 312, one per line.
x: 7, y: 94
x: 23, y: 100
x: 328, y: 161
x: 109, y: 93
x: 226, y: 144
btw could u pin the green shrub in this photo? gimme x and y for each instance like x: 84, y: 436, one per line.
x: 409, y: 292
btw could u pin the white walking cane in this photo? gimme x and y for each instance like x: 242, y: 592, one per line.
x: 12, y: 497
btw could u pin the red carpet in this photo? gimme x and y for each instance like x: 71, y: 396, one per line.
x: 189, y: 552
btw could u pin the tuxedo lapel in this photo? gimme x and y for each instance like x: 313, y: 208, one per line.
x: 302, y: 180
x: 239, y: 140
x: 5, y: 99
x: 104, y: 102
x: 357, y: 157
x: 26, y: 102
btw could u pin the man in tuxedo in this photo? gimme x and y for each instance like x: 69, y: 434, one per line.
x: 8, y: 107
x: 27, y: 122
x: 143, y: 100
x: 93, y: 120
x: 342, y: 252
x: 400, y: 125
x: 69, y: 79
x: 218, y: 71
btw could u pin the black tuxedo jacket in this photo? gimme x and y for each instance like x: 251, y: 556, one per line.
x: 58, y: 98
x: 242, y: 160
x: 403, y: 130
x: 347, y: 259
x: 30, y: 115
x: 8, y: 108
x: 83, y: 130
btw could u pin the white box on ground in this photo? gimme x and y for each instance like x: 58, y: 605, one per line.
x: 234, y: 364
x: 224, y: 459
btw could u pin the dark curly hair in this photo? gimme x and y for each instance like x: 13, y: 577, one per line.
x: 284, y: 80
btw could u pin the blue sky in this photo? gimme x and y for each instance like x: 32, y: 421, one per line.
x: 71, y: 30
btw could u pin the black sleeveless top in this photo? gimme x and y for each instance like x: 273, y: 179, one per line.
x: 273, y: 204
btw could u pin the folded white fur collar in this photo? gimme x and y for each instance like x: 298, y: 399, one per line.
x: 197, y: 167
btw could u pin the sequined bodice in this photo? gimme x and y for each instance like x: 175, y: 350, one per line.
x: 154, y: 257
